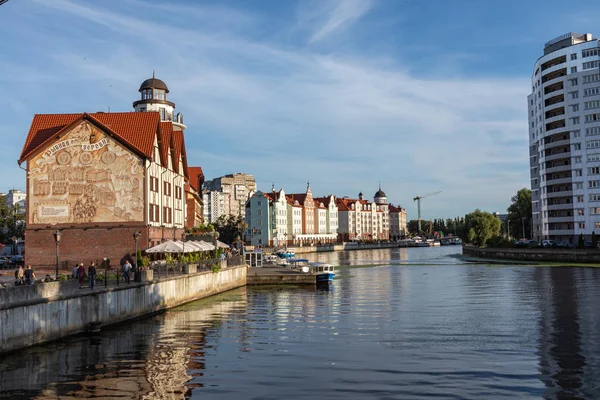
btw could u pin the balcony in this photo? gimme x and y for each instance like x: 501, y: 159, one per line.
x: 545, y: 67
x: 553, y: 88
x: 559, y: 181
x: 555, y: 101
x: 558, y: 156
x: 564, y: 193
x: 555, y: 207
x: 557, y: 143
x: 558, y: 168
x: 561, y: 219
x: 557, y: 122
x: 553, y: 73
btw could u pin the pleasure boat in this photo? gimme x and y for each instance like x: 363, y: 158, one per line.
x: 323, y: 271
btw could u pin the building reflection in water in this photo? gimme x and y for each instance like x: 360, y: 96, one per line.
x: 564, y: 336
x: 153, y: 358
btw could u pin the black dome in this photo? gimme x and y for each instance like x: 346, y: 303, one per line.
x: 154, y: 83
x: 380, y: 193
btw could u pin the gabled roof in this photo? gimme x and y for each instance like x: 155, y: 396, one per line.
x: 325, y: 200
x: 196, y: 178
x: 297, y: 196
x: 136, y: 129
x: 179, y: 147
x: 166, y: 138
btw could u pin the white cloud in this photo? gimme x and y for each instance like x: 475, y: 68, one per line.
x: 333, y: 17
x: 288, y: 114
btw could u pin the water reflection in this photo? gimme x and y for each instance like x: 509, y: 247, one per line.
x: 154, y: 358
x: 416, y: 323
x: 562, y: 362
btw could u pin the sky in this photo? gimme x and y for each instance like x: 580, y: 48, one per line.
x: 346, y: 95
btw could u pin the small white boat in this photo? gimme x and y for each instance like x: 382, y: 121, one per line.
x: 324, y: 272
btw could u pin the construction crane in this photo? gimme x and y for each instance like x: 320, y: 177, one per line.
x: 418, y: 200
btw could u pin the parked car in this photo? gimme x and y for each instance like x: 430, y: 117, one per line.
x: 548, y: 243
x: 17, y: 260
x: 564, y: 245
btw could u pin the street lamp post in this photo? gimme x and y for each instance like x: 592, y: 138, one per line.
x: 106, y: 272
x: 57, y: 241
x: 508, y: 227
x: 136, y: 236
x: 183, y: 237
x: 523, y: 223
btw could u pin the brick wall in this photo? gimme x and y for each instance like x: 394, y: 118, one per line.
x: 81, y: 245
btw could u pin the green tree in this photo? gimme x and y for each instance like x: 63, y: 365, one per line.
x: 484, y: 224
x: 12, y: 221
x: 412, y: 226
x: 519, y: 213
x: 594, y: 240
x: 230, y: 227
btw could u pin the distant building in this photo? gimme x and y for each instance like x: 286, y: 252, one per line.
x: 215, y: 205
x: 235, y: 190
x: 397, y: 222
x: 194, y: 200
x: 564, y: 146
x: 360, y: 219
x: 16, y: 197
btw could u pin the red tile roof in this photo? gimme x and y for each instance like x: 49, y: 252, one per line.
x: 196, y: 178
x: 166, y: 137
x: 136, y: 129
x: 178, y: 147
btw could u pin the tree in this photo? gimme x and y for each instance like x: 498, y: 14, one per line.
x: 412, y: 227
x: 594, y: 240
x: 519, y: 209
x: 12, y: 221
x: 230, y: 228
x: 484, y: 224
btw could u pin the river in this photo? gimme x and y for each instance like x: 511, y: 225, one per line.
x: 416, y: 323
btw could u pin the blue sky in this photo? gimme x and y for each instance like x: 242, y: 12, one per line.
x: 420, y: 96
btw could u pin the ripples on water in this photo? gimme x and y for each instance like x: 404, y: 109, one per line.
x: 396, y: 324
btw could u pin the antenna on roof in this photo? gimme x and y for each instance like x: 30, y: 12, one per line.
x: 273, y: 186
x: 109, y: 108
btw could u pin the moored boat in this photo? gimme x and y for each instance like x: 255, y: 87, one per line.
x: 285, y: 253
x: 324, y: 272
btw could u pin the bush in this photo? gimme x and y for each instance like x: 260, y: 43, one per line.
x: 499, y: 241
x: 216, y: 267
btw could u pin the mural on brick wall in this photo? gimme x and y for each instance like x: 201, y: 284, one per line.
x: 86, y: 177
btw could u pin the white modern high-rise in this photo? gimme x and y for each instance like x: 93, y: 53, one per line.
x: 564, y: 139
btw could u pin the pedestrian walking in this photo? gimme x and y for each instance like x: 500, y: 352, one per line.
x: 92, y: 275
x: 127, y: 271
x: 81, y: 275
x: 75, y: 270
x: 29, y: 276
x: 19, y: 276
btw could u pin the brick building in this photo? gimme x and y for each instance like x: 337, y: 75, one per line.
x: 100, y: 177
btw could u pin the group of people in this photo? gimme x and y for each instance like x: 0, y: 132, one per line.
x: 24, y: 276
x: 80, y: 273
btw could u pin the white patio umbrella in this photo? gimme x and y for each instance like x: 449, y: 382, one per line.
x: 193, y: 245
x: 166, y: 247
x: 205, y: 245
x: 222, y: 245
x: 186, y: 247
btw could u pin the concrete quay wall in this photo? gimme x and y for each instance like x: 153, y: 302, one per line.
x: 31, y: 315
x: 551, y: 255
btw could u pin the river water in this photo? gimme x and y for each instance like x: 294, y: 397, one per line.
x: 413, y: 323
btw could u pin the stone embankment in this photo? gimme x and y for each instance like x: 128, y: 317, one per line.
x: 537, y: 254
x: 31, y: 315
